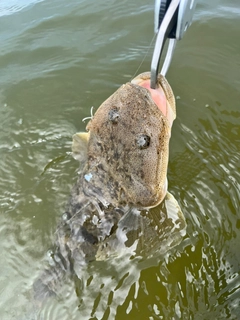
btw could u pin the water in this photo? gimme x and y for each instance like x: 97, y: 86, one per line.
x: 57, y: 59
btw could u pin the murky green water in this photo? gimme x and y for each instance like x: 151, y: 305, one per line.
x: 57, y: 59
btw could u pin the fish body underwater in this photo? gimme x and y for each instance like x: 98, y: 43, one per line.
x: 120, y: 200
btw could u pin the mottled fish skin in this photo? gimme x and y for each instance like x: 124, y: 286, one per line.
x: 124, y: 159
x: 129, y: 146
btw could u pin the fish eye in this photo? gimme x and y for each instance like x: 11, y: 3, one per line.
x: 143, y: 141
x: 113, y: 116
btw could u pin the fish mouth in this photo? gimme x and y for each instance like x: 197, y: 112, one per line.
x: 162, y: 95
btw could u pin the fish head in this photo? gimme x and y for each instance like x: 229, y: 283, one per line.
x: 128, y: 145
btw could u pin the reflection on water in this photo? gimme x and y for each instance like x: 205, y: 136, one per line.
x: 56, y: 62
x: 8, y: 7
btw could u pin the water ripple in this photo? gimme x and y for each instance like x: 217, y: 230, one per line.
x: 9, y: 7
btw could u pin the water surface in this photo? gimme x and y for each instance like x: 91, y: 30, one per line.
x: 57, y: 59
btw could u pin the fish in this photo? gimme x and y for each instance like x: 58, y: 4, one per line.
x: 128, y: 145
x: 120, y: 200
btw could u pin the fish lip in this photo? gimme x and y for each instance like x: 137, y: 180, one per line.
x: 163, y: 91
x: 144, y: 76
x: 161, y: 83
x: 147, y: 76
x: 157, y: 95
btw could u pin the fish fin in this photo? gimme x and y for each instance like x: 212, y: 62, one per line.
x: 150, y: 233
x: 159, y: 229
x: 80, y: 146
x: 173, y: 207
x: 170, y: 223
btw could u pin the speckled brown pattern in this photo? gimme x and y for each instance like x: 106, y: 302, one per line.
x: 125, y: 172
x: 124, y: 158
